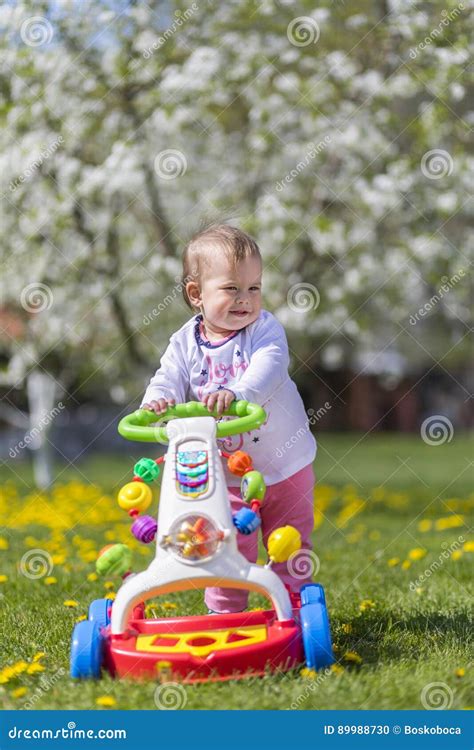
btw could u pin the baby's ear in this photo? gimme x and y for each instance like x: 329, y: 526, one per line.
x: 194, y: 293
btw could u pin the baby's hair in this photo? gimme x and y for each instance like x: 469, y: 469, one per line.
x: 236, y: 244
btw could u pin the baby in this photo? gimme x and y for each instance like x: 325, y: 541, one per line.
x: 233, y: 349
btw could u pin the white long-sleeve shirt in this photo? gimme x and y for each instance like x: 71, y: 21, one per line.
x: 253, y: 363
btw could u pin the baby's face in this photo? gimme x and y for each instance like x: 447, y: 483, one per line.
x: 231, y: 298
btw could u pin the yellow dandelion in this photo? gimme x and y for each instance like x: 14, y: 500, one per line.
x: 109, y: 585
x: 468, y: 546
x: 419, y: 590
x: 106, y: 701
x: 460, y: 672
x: 353, y: 657
x: 19, y: 692
x: 337, y: 668
x: 39, y: 655
x: 92, y: 576
x: 70, y: 603
x: 456, y: 554
x: 449, y: 522
x: 169, y: 605
x: 3, y: 578
x: 81, y: 618
x: 18, y: 668
x: 417, y: 553
x: 393, y: 561
x: 4, y: 543
x: 425, y: 525
x: 366, y: 604
x: 406, y: 564
x: 89, y: 556
x: 346, y: 627
x: 50, y: 580
x: 111, y: 595
x: 308, y: 674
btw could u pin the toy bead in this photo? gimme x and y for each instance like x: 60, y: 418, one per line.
x: 135, y: 496
x: 282, y: 543
x: 114, y: 559
x: 252, y: 486
x: 144, y: 529
x: 239, y: 463
x: 147, y: 469
x: 246, y: 521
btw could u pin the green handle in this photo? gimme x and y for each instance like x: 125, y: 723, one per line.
x: 136, y: 426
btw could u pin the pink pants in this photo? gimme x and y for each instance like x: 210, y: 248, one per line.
x: 289, y: 502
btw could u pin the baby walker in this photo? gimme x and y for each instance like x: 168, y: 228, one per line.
x: 196, y: 546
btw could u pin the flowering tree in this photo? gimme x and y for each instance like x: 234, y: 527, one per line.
x: 337, y: 137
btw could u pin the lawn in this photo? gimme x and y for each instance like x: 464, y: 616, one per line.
x: 387, y: 509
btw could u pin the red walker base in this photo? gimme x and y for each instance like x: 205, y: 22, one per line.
x: 205, y: 648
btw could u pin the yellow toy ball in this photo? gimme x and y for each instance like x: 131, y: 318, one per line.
x: 135, y: 495
x: 283, y: 542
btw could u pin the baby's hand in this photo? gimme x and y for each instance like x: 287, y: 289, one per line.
x: 222, y: 399
x: 159, y: 406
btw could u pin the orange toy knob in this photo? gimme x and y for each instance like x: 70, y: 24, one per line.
x: 135, y: 496
x: 239, y: 463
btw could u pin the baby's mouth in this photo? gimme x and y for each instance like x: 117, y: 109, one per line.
x: 239, y: 313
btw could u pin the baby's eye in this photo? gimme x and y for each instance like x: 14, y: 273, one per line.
x: 255, y: 288
x: 230, y: 288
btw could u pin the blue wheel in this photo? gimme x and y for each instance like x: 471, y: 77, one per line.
x: 99, y: 612
x: 87, y: 647
x: 315, y: 629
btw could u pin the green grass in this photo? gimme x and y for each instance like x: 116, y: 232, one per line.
x: 406, y: 641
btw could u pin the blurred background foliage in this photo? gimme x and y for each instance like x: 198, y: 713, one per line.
x: 336, y: 134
